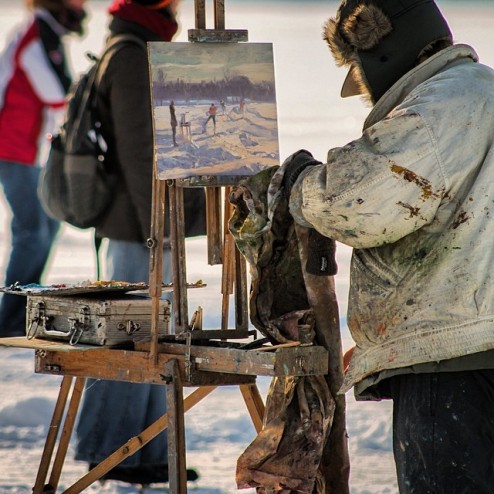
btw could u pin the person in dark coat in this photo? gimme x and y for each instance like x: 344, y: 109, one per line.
x: 173, y: 122
x: 112, y: 412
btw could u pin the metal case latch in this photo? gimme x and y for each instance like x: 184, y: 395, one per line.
x: 77, y: 325
x: 39, y: 319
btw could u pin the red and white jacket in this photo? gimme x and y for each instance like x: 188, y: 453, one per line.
x: 34, y: 80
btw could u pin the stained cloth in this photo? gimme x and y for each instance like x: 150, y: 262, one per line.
x: 302, y: 445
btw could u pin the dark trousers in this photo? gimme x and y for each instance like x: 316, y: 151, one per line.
x: 443, y: 432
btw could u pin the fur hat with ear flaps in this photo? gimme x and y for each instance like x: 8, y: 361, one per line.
x: 381, y: 40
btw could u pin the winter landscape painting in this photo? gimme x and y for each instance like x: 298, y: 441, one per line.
x: 214, y: 108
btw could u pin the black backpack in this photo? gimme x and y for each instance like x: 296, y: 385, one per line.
x: 75, y: 185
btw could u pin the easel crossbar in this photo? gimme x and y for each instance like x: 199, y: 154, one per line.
x: 134, y: 444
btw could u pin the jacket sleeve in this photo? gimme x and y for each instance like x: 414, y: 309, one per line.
x: 377, y: 189
x: 132, y: 127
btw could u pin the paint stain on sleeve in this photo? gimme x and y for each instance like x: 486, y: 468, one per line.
x: 412, y: 177
x: 413, y: 211
x: 462, y: 218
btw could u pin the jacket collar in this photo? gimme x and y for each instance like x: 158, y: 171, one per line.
x: 403, y: 87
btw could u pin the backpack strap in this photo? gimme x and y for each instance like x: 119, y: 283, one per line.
x: 97, y: 241
x: 113, y: 45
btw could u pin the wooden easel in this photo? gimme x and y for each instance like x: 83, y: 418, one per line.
x: 221, y: 250
x: 221, y: 247
x: 177, y: 362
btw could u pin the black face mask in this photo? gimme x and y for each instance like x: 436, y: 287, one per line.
x: 72, y: 19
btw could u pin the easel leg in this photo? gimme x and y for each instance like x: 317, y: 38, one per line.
x: 156, y: 260
x: 176, y: 430
x: 214, y: 226
x: 179, y: 268
x: 255, y: 405
x: 228, y: 273
x: 68, y: 427
x: 39, y: 486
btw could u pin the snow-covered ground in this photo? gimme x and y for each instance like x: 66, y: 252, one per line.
x: 311, y: 116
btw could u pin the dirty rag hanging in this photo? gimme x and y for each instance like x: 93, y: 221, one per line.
x: 302, y: 445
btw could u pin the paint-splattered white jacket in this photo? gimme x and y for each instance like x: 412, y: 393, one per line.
x: 414, y: 197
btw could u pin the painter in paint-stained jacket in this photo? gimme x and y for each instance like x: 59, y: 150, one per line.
x: 414, y: 197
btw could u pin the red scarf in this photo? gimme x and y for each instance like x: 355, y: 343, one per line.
x: 150, y: 19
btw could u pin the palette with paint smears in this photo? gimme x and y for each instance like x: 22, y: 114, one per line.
x: 82, y: 288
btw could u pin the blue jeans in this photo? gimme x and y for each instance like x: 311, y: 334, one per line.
x: 112, y: 412
x: 32, y: 236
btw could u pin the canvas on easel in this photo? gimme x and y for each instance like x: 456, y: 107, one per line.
x: 214, y: 109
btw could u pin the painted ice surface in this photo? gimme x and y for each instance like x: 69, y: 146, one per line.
x: 310, y: 115
x: 223, y: 100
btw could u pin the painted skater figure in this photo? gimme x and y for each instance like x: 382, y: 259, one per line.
x: 173, y: 122
x: 211, y: 116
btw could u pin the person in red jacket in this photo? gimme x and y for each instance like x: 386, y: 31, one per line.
x: 211, y: 116
x: 34, y: 79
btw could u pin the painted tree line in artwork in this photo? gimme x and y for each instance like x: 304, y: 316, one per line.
x: 232, y: 89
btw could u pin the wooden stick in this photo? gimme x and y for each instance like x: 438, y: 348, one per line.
x: 289, y: 344
x: 182, y: 264
x: 213, y: 225
x: 200, y: 10
x: 179, y: 270
x: 219, y: 15
x: 254, y: 403
x: 227, y: 278
x: 68, y: 427
x: 228, y: 274
x: 156, y: 260
x: 52, y: 435
x: 176, y: 429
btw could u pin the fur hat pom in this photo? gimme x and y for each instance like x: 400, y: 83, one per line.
x: 366, y: 26
x: 362, y: 29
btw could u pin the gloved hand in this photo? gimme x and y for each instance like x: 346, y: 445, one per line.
x: 321, y: 253
x: 294, y: 166
x: 321, y: 250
